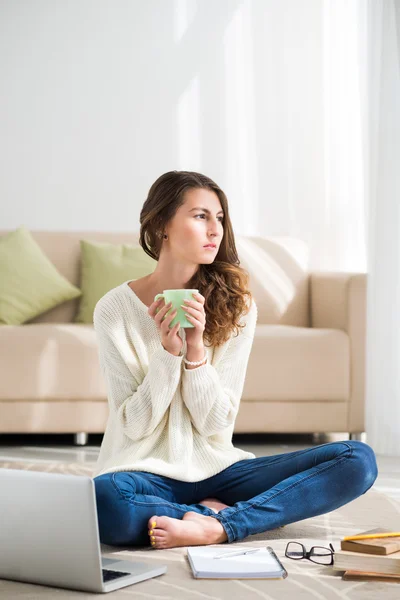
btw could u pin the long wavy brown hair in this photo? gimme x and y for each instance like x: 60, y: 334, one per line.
x: 223, y: 283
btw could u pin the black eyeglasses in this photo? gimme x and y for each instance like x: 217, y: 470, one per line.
x: 317, y: 554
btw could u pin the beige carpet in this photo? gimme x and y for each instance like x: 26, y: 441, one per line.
x: 305, y: 580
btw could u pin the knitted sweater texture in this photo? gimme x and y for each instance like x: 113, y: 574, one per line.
x: 164, y: 418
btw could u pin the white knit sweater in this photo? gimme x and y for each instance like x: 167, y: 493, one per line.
x: 164, y: 418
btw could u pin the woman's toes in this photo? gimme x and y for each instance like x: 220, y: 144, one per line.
x: 157, y: 535
x: 152, y: 526
x: 152, y: 523
x: 157, y: 540
x: 160, y: 542
x: 152, y: 531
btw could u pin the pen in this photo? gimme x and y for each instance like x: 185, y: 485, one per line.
x: 371, y: 535
x: 227, y: 555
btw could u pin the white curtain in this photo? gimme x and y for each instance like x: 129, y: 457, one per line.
x: 341, y: 242
x: 328, y: 110
x: 296, y: 76
x: 382, y: 144
x: 362, y: 187
x: 312, y: 105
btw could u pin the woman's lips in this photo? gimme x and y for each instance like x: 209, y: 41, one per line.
x: 209, y: 247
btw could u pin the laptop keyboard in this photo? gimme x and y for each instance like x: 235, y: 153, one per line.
x: 110, y: 575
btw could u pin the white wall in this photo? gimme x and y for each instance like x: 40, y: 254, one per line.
x: 100, y: 97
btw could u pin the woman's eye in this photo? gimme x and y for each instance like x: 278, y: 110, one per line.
x: 203, y: 215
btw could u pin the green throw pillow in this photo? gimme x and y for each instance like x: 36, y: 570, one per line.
x: 104, y: 267
x: 29, y: 282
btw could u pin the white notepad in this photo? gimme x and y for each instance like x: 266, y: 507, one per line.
x: 263, y: 564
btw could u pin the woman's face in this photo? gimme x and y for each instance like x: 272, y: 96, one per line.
x: 193, y: 227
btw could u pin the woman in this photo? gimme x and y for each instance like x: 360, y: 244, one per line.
x: 168, y: 474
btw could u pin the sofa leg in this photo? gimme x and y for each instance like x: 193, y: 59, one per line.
x: 81, y: 439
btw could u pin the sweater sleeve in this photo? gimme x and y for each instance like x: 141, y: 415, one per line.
x: 138, y: 403
x: 212, y: 395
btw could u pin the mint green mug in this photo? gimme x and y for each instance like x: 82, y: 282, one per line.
x: 177, y: 297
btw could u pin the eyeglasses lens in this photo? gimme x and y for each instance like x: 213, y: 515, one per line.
x: 321, y: 555
x: 294, y: 550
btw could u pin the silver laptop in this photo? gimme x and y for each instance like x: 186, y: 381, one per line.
x: 49, y: 535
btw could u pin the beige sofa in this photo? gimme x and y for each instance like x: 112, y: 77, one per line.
x: 306, y: 369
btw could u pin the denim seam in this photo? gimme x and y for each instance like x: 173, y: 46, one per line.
x: 292, y: 486
x: 286, y: 457
x: 139, y: 503
x: 227, y: 526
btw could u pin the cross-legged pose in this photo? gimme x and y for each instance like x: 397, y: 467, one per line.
x: 168, y: 474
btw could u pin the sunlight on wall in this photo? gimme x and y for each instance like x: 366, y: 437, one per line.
x: 189, y: 131
x: 343, y: 89
x: 184, y: 12
x: 241, y: 156
x: 188, y: 109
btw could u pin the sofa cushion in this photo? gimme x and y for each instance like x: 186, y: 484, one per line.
x: 63, y: 248
x: 104, y: 267
x: 30, y: 283
x: 279, y: 279
x: 286, y: 363
x: 298, y: 363
x: 63, y: 363
x: 278, y: 269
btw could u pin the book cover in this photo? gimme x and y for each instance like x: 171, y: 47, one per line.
x: 345, y: 560
x: 369, y: 576
x: 373, y: 546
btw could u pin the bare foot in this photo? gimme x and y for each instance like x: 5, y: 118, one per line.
x: 193, y: 529
x: 214, y: 504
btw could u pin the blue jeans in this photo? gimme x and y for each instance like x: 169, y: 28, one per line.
x: 262, y: 493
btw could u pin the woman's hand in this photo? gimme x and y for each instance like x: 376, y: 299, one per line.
x: 194, y: 311
x: 170, y: 339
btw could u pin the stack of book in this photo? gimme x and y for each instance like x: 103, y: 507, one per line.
x: 372, y: 555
